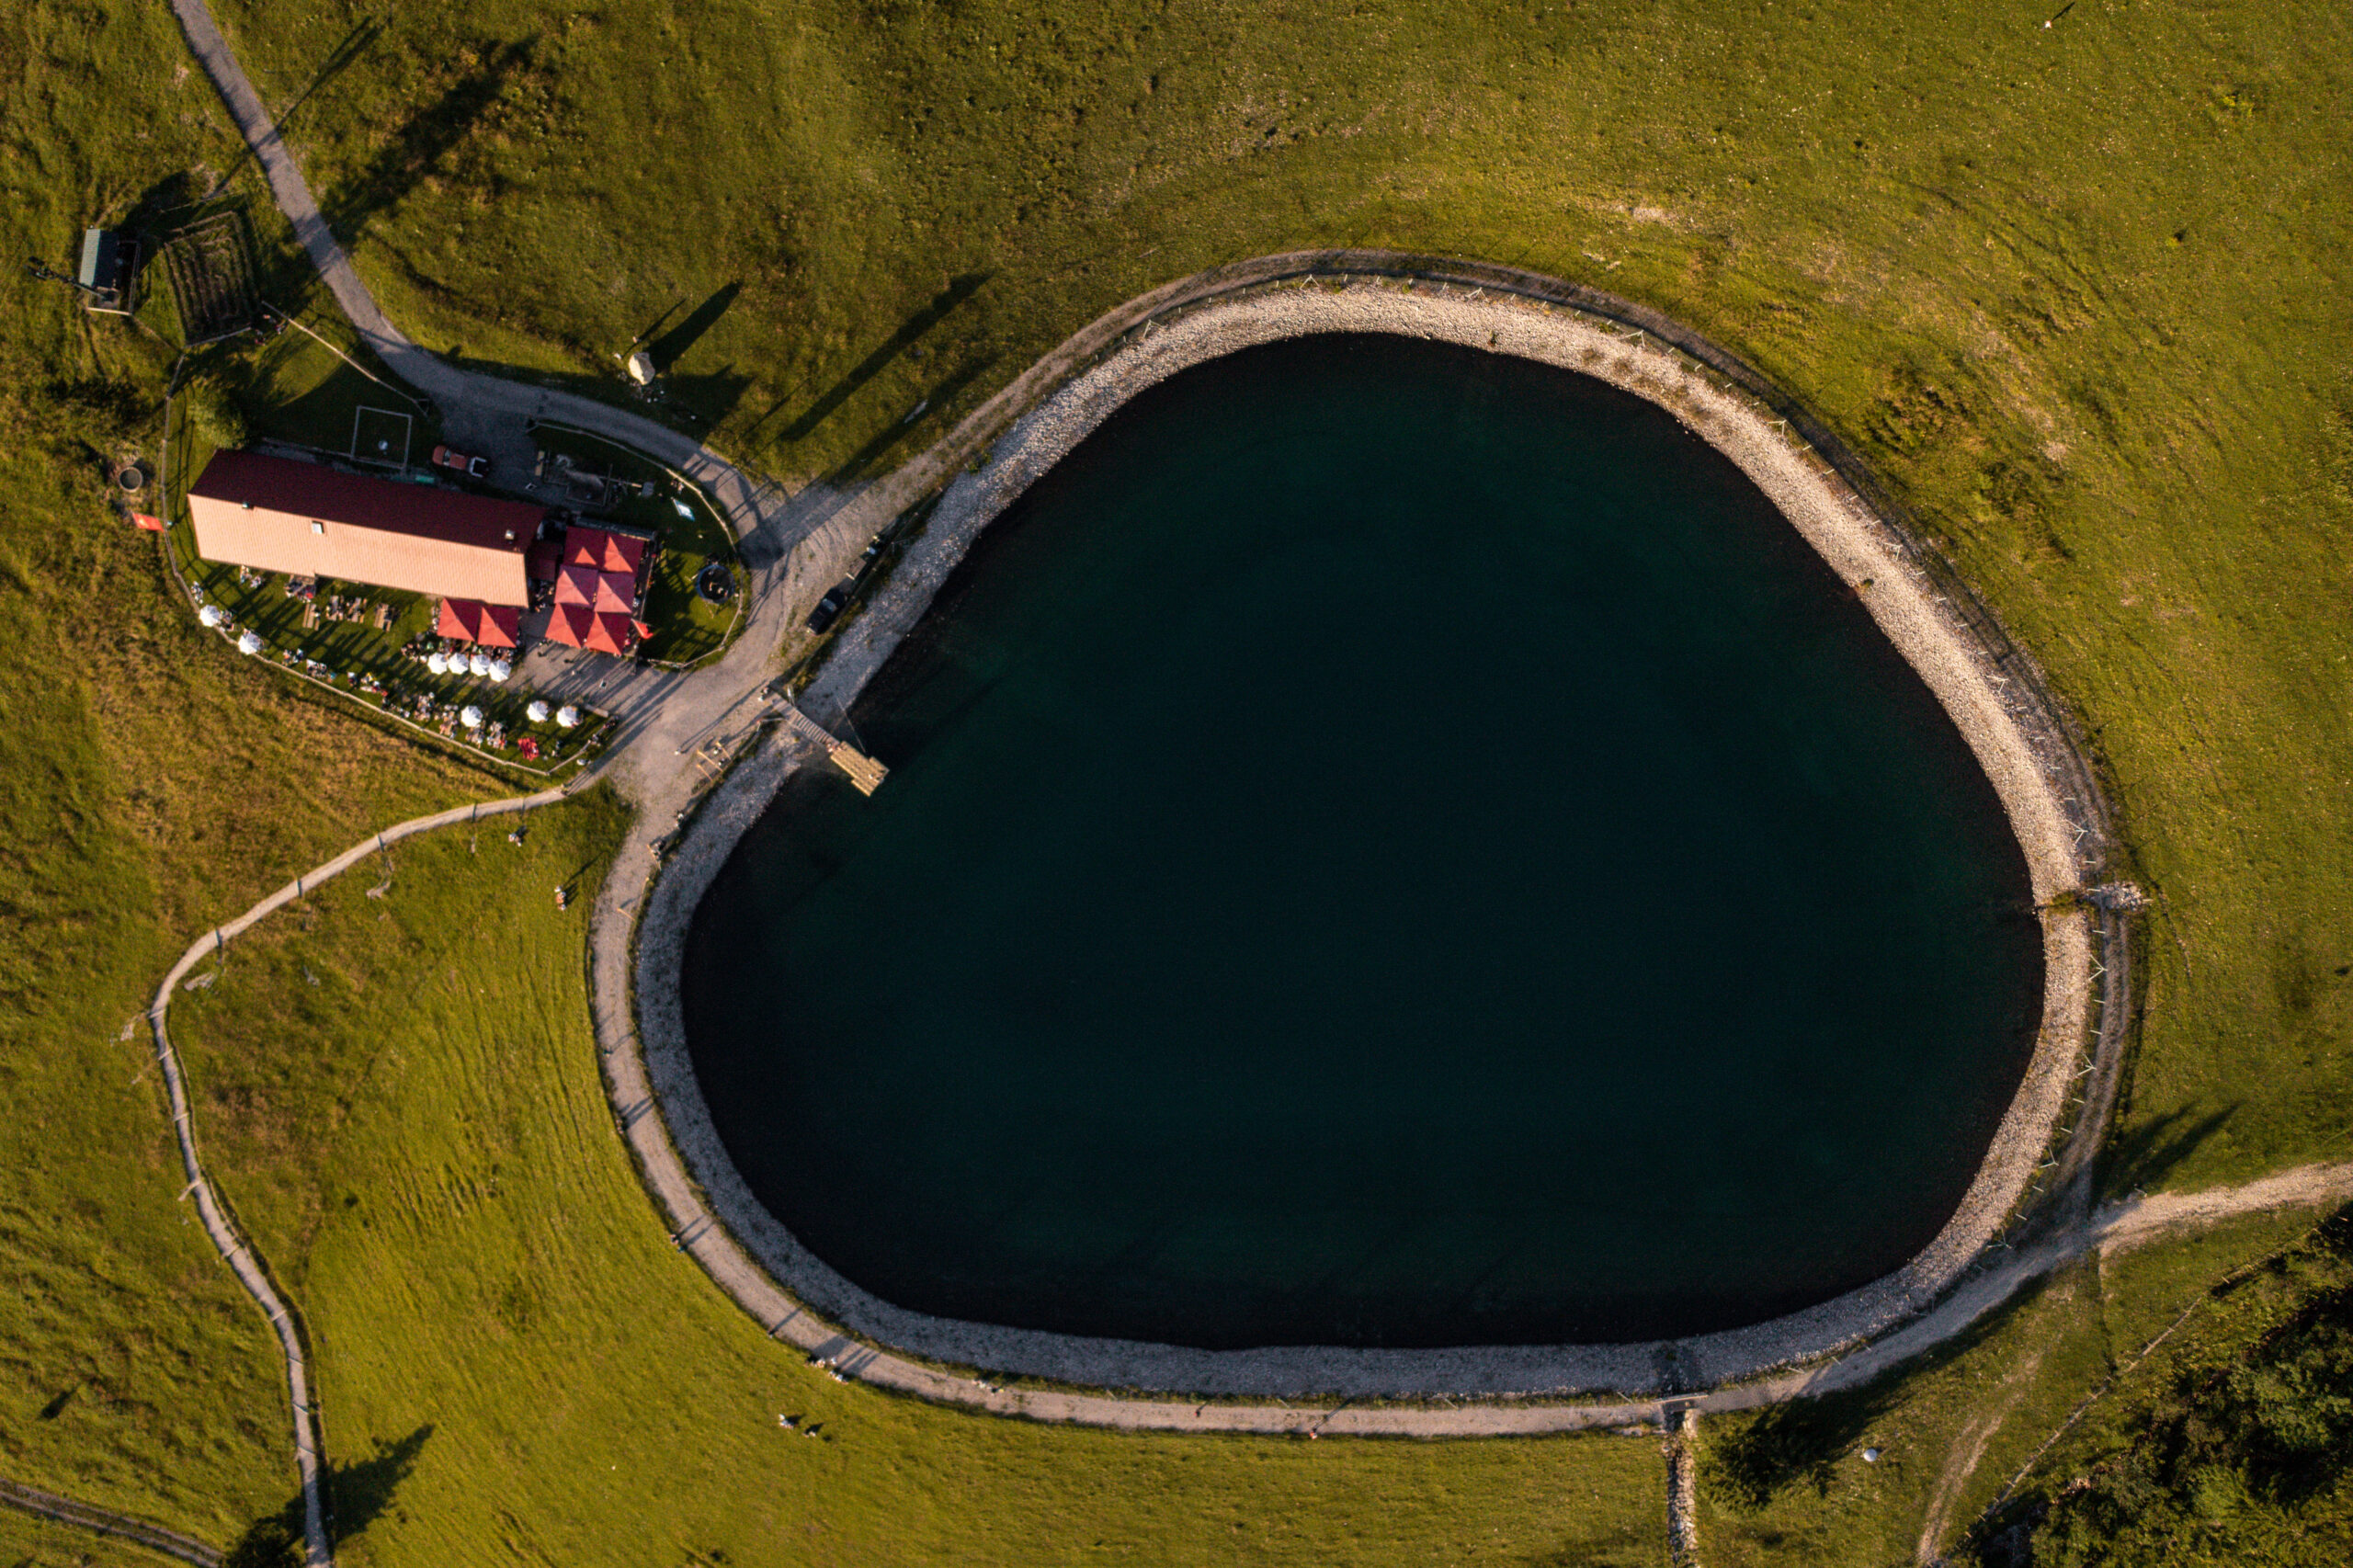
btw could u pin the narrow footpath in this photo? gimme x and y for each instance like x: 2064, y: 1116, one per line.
x: 107, y: 1522
x: 242, y: 1259
x: 681, y: 731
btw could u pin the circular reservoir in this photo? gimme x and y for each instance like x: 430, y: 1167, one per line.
x: 1386, y: 845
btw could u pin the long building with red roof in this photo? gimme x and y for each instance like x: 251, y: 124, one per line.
x: 308, y: 520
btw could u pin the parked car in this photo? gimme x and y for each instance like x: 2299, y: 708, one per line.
x: 450, y: 458
x: 830, y: 608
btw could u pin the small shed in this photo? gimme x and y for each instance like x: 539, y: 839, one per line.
x: 110, y: 261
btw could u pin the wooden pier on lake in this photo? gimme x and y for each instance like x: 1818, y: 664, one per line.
x: 863, y: 770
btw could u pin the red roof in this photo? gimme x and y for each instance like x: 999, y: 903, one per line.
x: 603, y: 549
x: 420, y: 511
x: 491, y: 626
x: 580, y: 627
x: 603, y: 591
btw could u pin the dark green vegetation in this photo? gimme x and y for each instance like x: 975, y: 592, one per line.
x: 2241, y: 1463
x: 1237, y: 985
x: 2079, y: 293
x: 2173, y: 1406
x: 520, y: 1368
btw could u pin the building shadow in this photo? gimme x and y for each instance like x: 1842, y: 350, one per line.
x: 357, y: 1495
x: 672, y: 346
x: 422, y: 144
x: 942, y: 305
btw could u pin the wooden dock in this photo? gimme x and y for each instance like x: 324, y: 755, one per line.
x: 863, y: 770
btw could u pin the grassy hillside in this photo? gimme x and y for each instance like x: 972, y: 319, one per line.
x: 2078, y: 290
x: 150, y: 785
x: 517, y: 1368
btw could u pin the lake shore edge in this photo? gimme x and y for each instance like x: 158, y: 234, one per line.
x: 2009, y: 732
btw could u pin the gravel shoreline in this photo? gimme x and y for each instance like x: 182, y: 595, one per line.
x: 1866, y: 552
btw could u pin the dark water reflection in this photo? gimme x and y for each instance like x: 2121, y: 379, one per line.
x: 1386, y: 845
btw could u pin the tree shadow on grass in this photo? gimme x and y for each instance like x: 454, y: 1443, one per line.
x: 2138, y: 1160
x: 357, y: 1495
x: 913, y: 327
x: 1801, y: 1442
x: 422, y: 144
x: 938, y: 400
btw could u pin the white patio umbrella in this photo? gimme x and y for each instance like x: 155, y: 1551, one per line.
x: 500, y: 669
x: 211, y: 615
x: 471, y: 718
x: 537, y: 712
x: 437, y: 663
x: 477, y: 664
x: 567, y: 715
x: 249, y: 643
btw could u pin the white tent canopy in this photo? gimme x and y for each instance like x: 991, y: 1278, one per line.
x: 471, y: 718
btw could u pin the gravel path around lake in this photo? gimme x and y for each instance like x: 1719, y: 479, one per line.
x: 1147, y: 339
x: 814, y: 1303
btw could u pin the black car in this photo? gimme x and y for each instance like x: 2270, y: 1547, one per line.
x: 830, y: 608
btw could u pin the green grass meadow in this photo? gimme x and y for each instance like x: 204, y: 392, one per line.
x: 2078, y: 293
x: 517, y: 1365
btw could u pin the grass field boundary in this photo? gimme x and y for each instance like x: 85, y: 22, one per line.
x: 107, y: 1522
x: 225, y: 1234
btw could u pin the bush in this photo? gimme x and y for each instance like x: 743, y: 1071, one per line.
x: 215, y: 414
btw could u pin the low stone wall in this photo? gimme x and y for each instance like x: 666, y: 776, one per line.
x: 2021, y: 746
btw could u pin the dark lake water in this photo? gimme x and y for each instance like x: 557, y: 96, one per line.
x: 1386, y: 845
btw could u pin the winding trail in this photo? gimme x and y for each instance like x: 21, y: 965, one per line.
x: 241, y: 1257
x: 795, y: 546
x: 107, y: 1522
x: 471, y: 403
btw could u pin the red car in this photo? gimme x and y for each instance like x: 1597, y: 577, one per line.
x: 450, y: 458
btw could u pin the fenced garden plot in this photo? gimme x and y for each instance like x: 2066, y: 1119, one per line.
x: 210, y: 265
